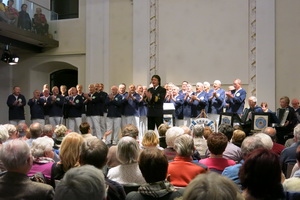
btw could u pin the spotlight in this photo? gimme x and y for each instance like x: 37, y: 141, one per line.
x: 9, y: 58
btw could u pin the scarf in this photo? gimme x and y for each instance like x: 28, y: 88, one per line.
x: 43, y: 160
x: 157, y: 189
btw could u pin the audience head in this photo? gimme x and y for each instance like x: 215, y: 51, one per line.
x: 162, y: 129
x: 265, y: 139
x: 184, y: 145
x: 127, y: 150
x: 85, y: 182
x: 186, y: 130
x: 150, y: 139
x: 207, y: 131
x: 84, y: 128
x: 60, y: 130
x: 270, y: 132
x: 48, y: 130
x: 251, y: 143
x: 260, y: 175
x: 298, y: 155
x: 16, y: 156
x: 237, y: 127
x: 212, y: 186
x: 238, y: 137
x: 198, y: 131
x: 130, y: 130
x: 227, y: 130
x: 12, y: 131
x: 36, y: 130
x: 70, y: 150
x: 22, y: 129
x: 42, y: 147
x: 171, y: 134
x: 153, y: 164
x: 93, y: 152
x: 297, y: 133
x: 3, y: 134
x: 217, y: 143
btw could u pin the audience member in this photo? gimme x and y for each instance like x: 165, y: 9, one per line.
x: 128, y: 172
x: 171, y: 135
x: 60, y: 132
x: 85, y: 130
x: 48, y: 131
x: 184, y: 147
x: 293, y: 183
x: 288, y: 155
x: 22, y: 129
x: 154, y: 167
x: 199, y: 141
x: 217, y: 143
x: 12, y: 132
x: 249, y: 144
x: 69, y: 155
x: 162, y: 129
x: 150, y: 140
x: 43, y: 155
x: 24, y: 20
x: 238, y: 137
x: 36, y: 131
x: 40, y: 22
x: 212, y: 186
x: 94, y: 152
x: 206, y: 132
x: 277, y: 148
x: 15, y: 184
x: 260, y: 176
x: 3, y: 134
x: 85, y: 182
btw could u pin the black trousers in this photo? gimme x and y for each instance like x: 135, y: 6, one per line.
x: 152, y: 121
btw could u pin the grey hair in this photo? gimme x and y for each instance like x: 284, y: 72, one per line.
x: 127, y: 150
x: 184, y: 145
x: 217, y: 82
x: 85, y: 182
x: 10, y: 128
x: 41, y: 145
x: 198, y: 130
x: 212, y: 186
x: 265, y: 139
x: 251, y: 143
x: 14, y: 154
x: 3, y: 134
x: 171, y: 134
x: 36, y: 130
x: 253, y: 98
x: 48, y: 128
x: 297, y: 132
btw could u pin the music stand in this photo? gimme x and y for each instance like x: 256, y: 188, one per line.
x: 229, y: 118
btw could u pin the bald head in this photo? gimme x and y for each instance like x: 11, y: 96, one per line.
x: 270, y: 131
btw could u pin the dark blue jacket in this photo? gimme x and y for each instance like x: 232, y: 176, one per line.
x: 155, y: 104
x: 16, y: 111
x: 217, y: 103
x: 56, y: 106
x: 94, y: 106
x: 131, y: 105
x: 114, y: 106
x: 76, y: 109
x: 197, y: 106
x: 36, y: 108
x: 236, y: 104
x: 178, y: 104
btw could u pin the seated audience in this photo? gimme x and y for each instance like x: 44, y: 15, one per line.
x: 85, y: 182
x: 171, y: 135
x: 94, y: 152
x: 277, y: 148
x: 3, y: 134
x: 15, y: 184
x: 24, y: 20
x: 60, y: 132
x: 40, y: 22
x: 266, y: 140
x: 154, y: 166
x: 128, y: 130
x: 36, y: 130
x: 238, y: 137
x: 23, y: 130
x: 150, y: 140
x: 206, y: 132
x: 128, y: 172
x: 199, y: 141
x: 12, y: 132
x: 232, y: 151
x: 260, y: 176
x: 186, y: 129
x: 217, y: 143
x: 69, y: 155
x: 212, y: 186
x: 249, y: 144
x: 48, y: 131
x: 184, y: 147
x: 43, y: 155
x: 293, y: 183
x: 162, y: 129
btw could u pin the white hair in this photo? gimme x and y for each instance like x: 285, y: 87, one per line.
x: 253, y: 98
x: 297, y: 132
x: 3, y: 134
x: 14, y: 154
x: 206, y: 83
x: 265, y: 139
x: 10, y: 128
x: 85, y: 182
x: 199, y: 84
x: 184, y: 145
x: 127, y: 150
x: 171, y: 134
x: 41, y: 145
x: 217, y: 82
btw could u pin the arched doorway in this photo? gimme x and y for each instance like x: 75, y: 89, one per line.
x: 68, y: 77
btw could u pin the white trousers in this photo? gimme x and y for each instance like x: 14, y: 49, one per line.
x: 41, y: 121
x: 55, y: 121
x: 113, y: 124
x: 74, y: 123
x: 94, y: 122
x: 142, y: 126
x: 16, y: 121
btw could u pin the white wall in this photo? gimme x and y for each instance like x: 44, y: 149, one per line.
x: 203, y: 40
